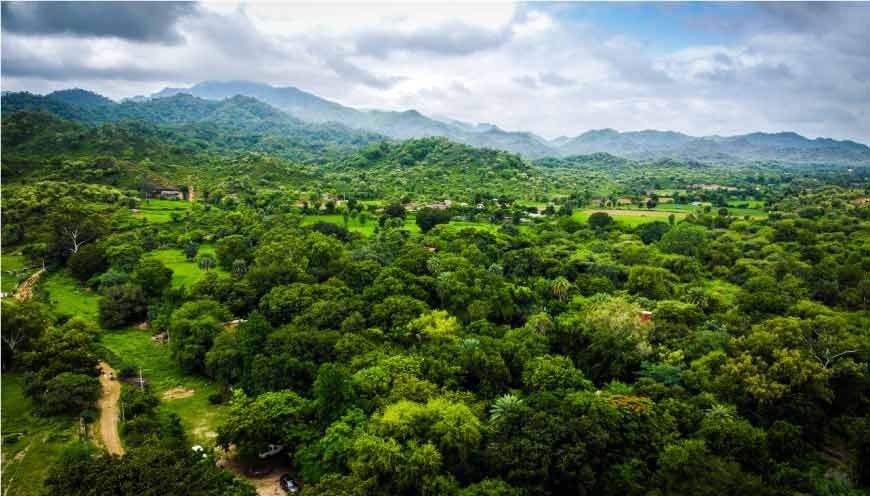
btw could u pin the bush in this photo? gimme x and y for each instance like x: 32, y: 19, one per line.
x: 89, y: 261
x: 122, y: 305
x: 69, y: 393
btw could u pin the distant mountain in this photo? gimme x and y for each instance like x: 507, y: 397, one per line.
x: 399, y: 125
x: 776, y: 147
x: 247, y: 107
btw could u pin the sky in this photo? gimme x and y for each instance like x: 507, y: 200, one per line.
x: 550, y: 68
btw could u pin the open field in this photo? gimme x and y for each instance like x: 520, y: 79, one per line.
x: 14, y: 270
x: 68, y: 297
x: 628, y: 217
x: 30, y: 443
x: 184, y: 272
x: 353, y: 225
x: 160, y: 211
x: 135, y: 347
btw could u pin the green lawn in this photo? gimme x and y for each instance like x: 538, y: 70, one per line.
x: 68, y: 297
x: 184, y: 272
x: 353, y: 225
x: 27, y: 460
x: 160, y: 211
x: 14, y: 270
x: 632, y: 218
x: 135, y: 347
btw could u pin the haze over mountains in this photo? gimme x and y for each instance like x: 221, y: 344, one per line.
x: 269, y: 109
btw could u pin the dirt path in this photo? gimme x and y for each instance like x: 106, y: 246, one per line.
x: 25, y: 290
x: 108, y: 406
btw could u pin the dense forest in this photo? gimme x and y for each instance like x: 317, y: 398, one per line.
x: 425, y: 317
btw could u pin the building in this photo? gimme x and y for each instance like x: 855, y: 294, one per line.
x: 442, y: 205
x: 165, y: 194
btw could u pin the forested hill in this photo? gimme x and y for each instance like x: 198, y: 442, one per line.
x: 232, y: 125
x: 399, y: 125
x: 273, y: 110
x: 38, y: 145
x: 786, y: 148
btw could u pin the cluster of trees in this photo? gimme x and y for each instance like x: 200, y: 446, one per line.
x: 476, y: 362
x: 59, y: 356
x: 514, y: 359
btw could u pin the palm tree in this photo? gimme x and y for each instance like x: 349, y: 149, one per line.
x: 560, y: 288
x: 206, y: 262
x: 503, y: 406
x: 697, y: 297
x: 240, y: 266
x: 721, y: 411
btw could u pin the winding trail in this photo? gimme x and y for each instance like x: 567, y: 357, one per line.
x: 108, y: 406
x: 25, y: 289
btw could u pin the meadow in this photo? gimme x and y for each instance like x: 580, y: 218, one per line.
x: 133, y: 347
x: 628, y: 217
x: 14, y: 270
x: 184, y: 272
x: 69, y: 297
x: 161, y: 211
x: 30, y: 442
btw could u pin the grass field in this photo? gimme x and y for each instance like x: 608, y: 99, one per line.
x: 135, y: 347
x: 629, y: 217
x: 184, y: 272
x: 353, y: 225
x: 68, y: 297
x: 26, y: 462
x: 160, y: 211
x: 14, y: 271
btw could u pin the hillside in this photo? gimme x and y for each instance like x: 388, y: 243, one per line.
x: 400, y: 125
x: 231, y: 125
x: 787, y: 148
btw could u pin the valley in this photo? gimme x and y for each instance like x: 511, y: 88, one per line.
x: 407, y: 314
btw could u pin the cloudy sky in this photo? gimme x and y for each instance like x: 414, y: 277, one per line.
x: 551, y: 68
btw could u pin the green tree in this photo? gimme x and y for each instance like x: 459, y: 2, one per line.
x: 232, y: 248
x: 600, y: 220
x: 121, y: 305
x: 427, y: 218
x: 69, y: 393
x: 87, y: 262
x: 152, y: 276
x: 686, y: 239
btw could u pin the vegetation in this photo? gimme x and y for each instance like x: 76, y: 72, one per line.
x: 422, y: 317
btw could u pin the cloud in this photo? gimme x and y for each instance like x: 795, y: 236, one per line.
x: 450, y: 38
x: 555, y: 79
x: 348, y: 70
x: 526, y: 81
x: 533, y: 67
x: 140, y: 21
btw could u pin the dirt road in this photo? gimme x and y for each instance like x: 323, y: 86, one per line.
x: 25, y: 290
x: 108, y: 406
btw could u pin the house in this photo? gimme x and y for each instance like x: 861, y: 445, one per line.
x: 168, y: 194
x: 442, y: 205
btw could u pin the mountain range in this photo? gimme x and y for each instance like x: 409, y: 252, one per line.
x: 293, y: 107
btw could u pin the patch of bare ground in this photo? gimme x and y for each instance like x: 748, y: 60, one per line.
x: 177, y: 393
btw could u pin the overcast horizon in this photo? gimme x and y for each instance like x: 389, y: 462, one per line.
x: 552, y: 69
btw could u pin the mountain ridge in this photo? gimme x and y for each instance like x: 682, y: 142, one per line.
x: 300, y: 107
